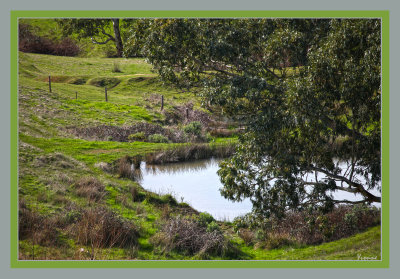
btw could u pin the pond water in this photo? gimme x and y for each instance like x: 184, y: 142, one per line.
x: 197, y: 183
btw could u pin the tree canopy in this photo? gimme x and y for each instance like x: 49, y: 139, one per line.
x: 307, y: 90
x: 99, y: 30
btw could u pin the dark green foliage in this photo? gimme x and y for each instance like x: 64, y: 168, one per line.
x: 205, y: 218
x: 158, y: 138
x: 193, y: 129
x: 213, y: 226
x: 99, y: 30
x: 294, y: 116
x: 139, y: 136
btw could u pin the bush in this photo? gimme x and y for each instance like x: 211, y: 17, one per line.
x: 139, y: 136
x: 66, y: 47
x: 213, y: 226
x: 311, y: 227
x: 102, y: 228
x: 186, y: 235
x: 116, y: 68
x: 205, y: 218
x: 158, y: 138
x: 193, y: 129
x: 42, y: 230
x: 29, y: 42
x: 278, y: 241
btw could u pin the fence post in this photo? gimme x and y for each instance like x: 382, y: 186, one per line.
x: 76, y: 93
x: 187, y: 113
x: 49, y: 84
x: 162, y: 102
x: 105, y: 90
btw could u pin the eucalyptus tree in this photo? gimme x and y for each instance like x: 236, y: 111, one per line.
x: 99, y: 30
x: 307, y: 90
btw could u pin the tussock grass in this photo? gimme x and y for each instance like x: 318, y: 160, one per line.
x: 187, y: 236
x: 99, y: 228
x: 90, y: 188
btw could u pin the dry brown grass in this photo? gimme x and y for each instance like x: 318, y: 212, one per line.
x: 90, y: 188
x: 187, y: 236
x: 102, y: 228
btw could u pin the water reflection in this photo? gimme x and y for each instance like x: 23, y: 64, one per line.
x: 196, y: 183
x: 179, y: 168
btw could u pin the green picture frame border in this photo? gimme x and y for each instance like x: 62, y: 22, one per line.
x: 383, y: 263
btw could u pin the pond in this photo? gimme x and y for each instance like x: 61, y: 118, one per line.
x: 197, y: 183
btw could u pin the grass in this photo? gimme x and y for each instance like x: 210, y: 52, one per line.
x: 54, y: 163
x: 366, y: 244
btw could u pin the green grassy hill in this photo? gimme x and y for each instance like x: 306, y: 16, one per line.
x: 67, y: 178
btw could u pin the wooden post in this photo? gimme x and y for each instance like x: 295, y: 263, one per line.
x: 49, y: 84
x: 76, y: 95
x: 162, y: 102
x: 187, y: 113
x: 105, y: 90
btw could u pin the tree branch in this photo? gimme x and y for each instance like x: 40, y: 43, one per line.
x: 110, y: 38
x: 100, y: 43
x: 350, y: 190
x: 370, y: 197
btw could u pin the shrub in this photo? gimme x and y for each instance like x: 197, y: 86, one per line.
x: 205, y: 218
x: 116, y: 68
x: 66, y: 47
x: 102, y: 228
x: 213, y: 226
x: 247, y: 236
x: 169, y: 199
x: 139, y: 136
x: 29, y: 42
x: 193, y: 129
x: 42, y: 230
x: 278, y: 241
x: 311, y: 227
x: 158, y: 138
x: 186, y: 235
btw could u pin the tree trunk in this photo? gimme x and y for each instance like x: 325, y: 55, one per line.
x: 118, y: 40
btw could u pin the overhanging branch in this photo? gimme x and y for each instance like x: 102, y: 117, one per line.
x: 360, y: 189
